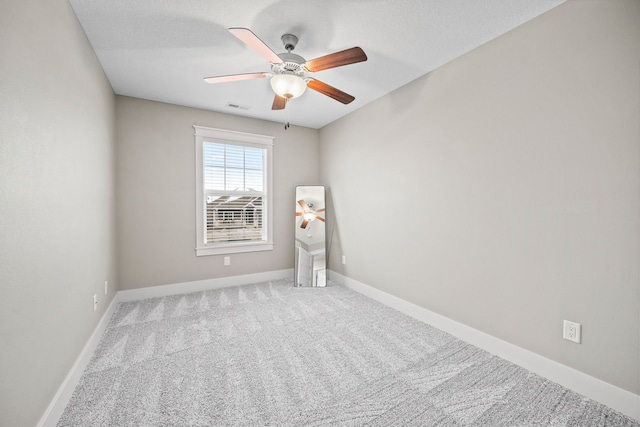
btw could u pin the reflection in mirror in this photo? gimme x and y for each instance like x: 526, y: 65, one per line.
x: 310, y: 268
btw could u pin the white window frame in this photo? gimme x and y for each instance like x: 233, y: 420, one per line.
x: 202, y: 134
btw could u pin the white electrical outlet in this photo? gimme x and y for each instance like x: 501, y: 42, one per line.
x: 344, y: 259
x: 106, y: 287
x: 95, y: 302
x: 572, y: 331
x: 227, y: 260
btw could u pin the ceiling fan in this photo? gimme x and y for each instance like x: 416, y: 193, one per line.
x: 289, y: 72
x: 308, y: 214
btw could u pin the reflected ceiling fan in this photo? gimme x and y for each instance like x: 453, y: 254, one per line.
x: 308, y: 214
x: 289, y: 72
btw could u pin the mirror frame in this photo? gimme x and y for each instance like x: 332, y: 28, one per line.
x: 310, y: 237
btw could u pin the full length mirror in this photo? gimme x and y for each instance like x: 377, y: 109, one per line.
x: 310, y: 268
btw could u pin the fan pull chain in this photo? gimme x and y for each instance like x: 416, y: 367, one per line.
x: 288, y: 114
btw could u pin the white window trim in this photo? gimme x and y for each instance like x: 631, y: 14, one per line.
x: 203, y: 133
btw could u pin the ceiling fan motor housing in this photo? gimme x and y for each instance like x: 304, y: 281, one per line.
x: 291, y: 64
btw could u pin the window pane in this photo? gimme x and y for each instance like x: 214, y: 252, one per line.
x: 234, y: 156
x: 230, y: 171
x: 233, y: 219
x: 235, y: 180
x: 214, y: 178
x: 254, y: 180
x: 213, y: 154
x: 253, y: 158
x: 229, y: 167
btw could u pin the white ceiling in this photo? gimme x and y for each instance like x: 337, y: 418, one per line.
x: 162, y: 49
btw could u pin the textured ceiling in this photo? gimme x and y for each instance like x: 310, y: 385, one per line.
x: 162, y: 49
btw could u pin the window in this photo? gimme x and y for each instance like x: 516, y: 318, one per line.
x: 233, y: 192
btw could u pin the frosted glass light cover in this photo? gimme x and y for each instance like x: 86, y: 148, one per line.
x: 288, y: 85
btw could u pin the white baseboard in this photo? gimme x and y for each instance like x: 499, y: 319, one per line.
x: 202, y: 285
x: 614, y: 397
x: 63, y: 395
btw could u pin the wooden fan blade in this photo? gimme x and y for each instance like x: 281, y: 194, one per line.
x: 320, y: 218
x: 305, y: 208
x: 337, y: 59
x: 330, y: 91
x: 251, y: 40
x: 298, y: 213
x: 320, y: 210
x: 304, y: 224
x: 235, y: 77
x: 279, y: 102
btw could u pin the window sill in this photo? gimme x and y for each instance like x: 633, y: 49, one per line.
x: 234, y: 248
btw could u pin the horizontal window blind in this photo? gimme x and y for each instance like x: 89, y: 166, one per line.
x: 234, y: 183
x: 235, y: 168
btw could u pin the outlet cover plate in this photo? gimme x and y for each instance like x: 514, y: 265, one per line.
x: 572, y: 331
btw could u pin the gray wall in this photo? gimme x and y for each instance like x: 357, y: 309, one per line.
x: 156, y: 193
x: 501, y: 190
x: 57, y: 213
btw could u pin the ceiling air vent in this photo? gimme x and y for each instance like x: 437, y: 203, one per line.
x: 237, y: 106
